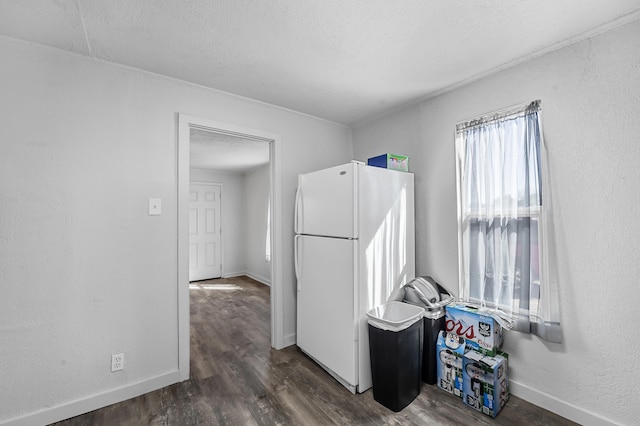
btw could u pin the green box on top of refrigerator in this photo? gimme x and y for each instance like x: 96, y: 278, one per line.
x: 390, y: 161
x: 481, y: 332
x: 485, y: 381
x: 450, y: 349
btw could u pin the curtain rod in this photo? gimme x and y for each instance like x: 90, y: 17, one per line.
x: 502, y: 114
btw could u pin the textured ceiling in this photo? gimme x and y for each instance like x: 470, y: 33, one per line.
x: 342, y: 60
x: 217, y: 151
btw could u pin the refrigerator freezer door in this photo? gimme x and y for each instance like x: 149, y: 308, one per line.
x: 326, y: 202
x: 326, y: 326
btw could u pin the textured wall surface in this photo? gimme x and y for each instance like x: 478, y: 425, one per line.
x: 84, y: 271
x: 590, y: 101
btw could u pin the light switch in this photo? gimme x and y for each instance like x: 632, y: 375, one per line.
x: 155, y: 206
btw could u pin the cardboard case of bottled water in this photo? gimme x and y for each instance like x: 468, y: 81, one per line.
x: 481, y: 332
x: 450, y: 349
x: 485, y: 381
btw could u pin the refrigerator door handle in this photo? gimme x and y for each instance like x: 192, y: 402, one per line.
x: 297, y: 210
x: 295, y: 259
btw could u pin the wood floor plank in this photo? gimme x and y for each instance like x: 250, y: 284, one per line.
x: 238, y: 379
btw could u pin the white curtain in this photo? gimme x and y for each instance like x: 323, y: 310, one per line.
x: 502, y: 221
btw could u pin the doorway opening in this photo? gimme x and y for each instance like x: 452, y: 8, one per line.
x: 231, y: 139
x: 230, y: 189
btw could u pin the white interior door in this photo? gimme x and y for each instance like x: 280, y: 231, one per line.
x: 205, y: 254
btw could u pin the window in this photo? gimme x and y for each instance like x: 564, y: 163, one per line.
x: 501, y: 228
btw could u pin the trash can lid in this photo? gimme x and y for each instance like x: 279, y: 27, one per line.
x: 394, y: 316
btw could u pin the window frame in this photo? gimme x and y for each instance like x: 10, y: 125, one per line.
x: 534, y: 212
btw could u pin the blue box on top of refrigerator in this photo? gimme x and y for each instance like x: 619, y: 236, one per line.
x: 354, y: 247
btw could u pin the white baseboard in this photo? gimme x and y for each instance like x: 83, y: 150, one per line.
x: 90, y: 403
x: 263, y: 280
x: 558, y: 406
x: 289, y: 339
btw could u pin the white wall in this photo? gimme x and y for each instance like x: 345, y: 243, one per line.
x: 590, y: 96
x: 233, y: 217
x: 84, y: 271
x: 256, y: 184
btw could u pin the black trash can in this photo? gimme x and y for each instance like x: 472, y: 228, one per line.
x: 432, y: 297
x: 395, y: 347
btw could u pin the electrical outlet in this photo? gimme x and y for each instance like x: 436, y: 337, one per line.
x: 117, y: 362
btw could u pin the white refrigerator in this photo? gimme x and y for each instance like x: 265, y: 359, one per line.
x: 354, y: 245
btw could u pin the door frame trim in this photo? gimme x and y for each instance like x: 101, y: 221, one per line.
x: 185, y: 124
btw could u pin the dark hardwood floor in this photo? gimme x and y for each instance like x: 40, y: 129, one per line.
x: 237, y: 379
